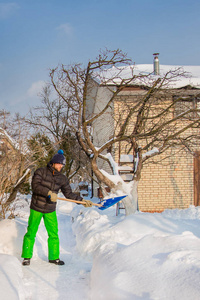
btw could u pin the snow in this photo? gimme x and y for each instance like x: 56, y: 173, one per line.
x: 126, y: 158
x: 150, y: 153
x: 142, y: 256
x: 192, y: 74
x: 24, y: 175
x: 125, y: 168
x: 23, y: 149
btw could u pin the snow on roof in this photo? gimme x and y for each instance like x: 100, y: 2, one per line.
x: 192, y: 77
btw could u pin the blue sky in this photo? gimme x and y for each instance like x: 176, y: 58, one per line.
x: 37, y: 35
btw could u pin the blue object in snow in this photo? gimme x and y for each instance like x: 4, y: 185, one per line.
x: 110, y: 202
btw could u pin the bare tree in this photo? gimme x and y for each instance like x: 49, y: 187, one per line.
x: 14, y: 169
x: 150, y: 124
x: 51, y: 132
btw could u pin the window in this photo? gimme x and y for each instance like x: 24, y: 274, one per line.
x: 185, y: 103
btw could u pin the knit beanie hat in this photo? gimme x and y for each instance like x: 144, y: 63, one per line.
x: 58, y: 158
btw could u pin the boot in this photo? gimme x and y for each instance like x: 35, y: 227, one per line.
x: 57, y: 262
x: 26, y: 262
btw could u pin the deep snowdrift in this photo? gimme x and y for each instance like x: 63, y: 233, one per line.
x: 143, y: 256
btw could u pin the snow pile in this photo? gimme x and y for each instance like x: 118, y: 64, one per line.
x: 142, y: 256
x: 11, y: 275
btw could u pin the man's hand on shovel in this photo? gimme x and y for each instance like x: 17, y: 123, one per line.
x: 87, y: 203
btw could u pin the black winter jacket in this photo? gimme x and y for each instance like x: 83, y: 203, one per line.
x: 48, y: 179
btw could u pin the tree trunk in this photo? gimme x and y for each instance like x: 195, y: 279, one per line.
x: 129, y: 189
x: 100, y: 176
x: 15, y: 190
x: 131, y: 201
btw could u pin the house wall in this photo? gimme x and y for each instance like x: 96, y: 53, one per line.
x: 91, y: 98
x: 102, y: 127
x: 167, y: 181
x: 168, y: 184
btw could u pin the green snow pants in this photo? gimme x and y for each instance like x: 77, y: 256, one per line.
x: 51, y: 224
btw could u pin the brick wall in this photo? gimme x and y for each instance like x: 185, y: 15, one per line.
x: 168, y: 184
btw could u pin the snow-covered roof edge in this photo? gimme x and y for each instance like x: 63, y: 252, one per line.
x: 192, y: 77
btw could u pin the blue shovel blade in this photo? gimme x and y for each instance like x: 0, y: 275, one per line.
x: 110, y: 202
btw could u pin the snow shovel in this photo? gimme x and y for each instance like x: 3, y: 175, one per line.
x: 101, y: 205
x: 110, y: 202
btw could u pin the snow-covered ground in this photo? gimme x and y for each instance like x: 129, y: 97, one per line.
x: 143, y: 256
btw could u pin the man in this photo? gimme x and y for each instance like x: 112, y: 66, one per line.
x: 46, y: 183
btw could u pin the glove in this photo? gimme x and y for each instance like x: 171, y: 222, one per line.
x: 52, y: 196
x: 87, y: 203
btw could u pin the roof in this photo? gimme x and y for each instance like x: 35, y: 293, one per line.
x: 113, y: 76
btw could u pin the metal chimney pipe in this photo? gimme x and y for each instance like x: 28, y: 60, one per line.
x: 156, y: 64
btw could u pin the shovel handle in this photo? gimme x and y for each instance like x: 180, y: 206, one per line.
x: 77, y: 201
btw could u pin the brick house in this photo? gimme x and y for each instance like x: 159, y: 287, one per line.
x: 173, y: 183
